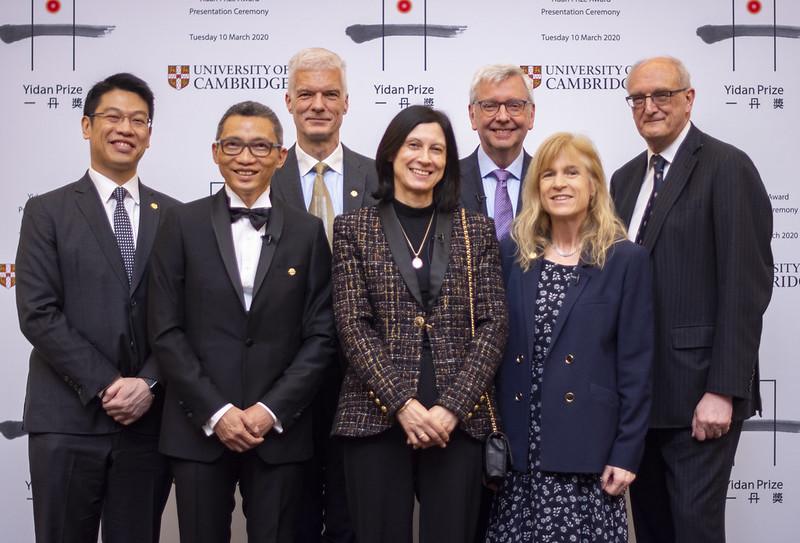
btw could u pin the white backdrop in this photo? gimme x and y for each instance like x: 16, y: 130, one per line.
x: 410, y: 52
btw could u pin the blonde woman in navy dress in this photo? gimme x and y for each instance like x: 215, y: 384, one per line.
x: 574, y: 385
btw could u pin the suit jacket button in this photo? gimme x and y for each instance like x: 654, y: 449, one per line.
x: 469, y: 415
x: 518, y: 397
x: 419, y: 322
x: 371, y: 394
x: 383, y: 409
x: 133, y: 302
x: 377, y: 401
x: 569, y: 359
x: 66, y: 378
x: 248, y: 342
x: 570, y: 397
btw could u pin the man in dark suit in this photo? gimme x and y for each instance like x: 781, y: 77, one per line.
x: 699, y: 207
x: 94, y: 396
x: 242, y: 327
x: 501, y: 110
x: 317, y: 99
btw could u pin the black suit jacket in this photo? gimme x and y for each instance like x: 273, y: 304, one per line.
x: 214, y: 352
x: 86, y: 324
x: 473, y: 196
x: 360, y: 180
x: 709, y: 240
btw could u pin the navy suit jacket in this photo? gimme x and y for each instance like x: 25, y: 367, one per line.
x: 709, y: 239
x: 596, y: 386
x: 472, y: 194
x: 213, y: 351
x: 87, y: 325
x: 360, y: 180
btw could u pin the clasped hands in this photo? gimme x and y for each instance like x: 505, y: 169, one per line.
x: 426, y: 427
x: 240, y: 430
x: 126, y: 399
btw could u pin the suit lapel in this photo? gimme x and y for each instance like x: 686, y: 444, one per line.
x: 149, y: 214
x: 354, y: 181
x: 472, y: 188
x: 88, y: 201
x: 583, y: 275
x: 529, y: 283
x: 526, y: 160
x: 272, y: 236
x: 398, y: 247
x: 221, y: 223
x: 677, y: 177
x: 286, y: 181
x: 441, y: 252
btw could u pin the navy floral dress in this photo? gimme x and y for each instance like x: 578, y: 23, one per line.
x: 544, y: 507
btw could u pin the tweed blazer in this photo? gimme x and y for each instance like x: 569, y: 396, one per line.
x: 380, y: 318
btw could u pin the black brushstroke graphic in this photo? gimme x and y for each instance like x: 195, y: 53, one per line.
x: 13, y: 33
x: 12, y: 429
x: 364, y: 33
x: 715, y: 33
x: 769, y: 425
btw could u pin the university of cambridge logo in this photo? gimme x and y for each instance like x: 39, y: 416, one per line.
x: 8, y: 275
x: 535, y: 73
x: 178, y: 76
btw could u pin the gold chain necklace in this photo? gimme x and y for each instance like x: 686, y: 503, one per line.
x: 417, y: 261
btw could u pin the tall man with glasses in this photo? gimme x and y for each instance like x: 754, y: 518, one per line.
x: 699, y: 207
x: 242, y: 327
x: 317, y: 99
x: 95, y: 393
x: 501, y: 110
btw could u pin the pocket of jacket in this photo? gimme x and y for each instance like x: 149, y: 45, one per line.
x: 693, y: 337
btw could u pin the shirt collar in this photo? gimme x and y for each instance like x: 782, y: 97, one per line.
x: 105, y: 186
x: 235, y: 201
x: 672, y: 150
x: 306, y: 162
x: 487, y: 165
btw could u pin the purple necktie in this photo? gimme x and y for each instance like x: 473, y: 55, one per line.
x: 503, y: 212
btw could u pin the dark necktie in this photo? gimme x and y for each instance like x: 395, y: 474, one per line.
x: 123, y: 231
x: 258, y: 216
x: 503, y: 212
x: 657, y: 162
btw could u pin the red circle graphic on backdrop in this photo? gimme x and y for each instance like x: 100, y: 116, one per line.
x: 53, y: 6
x: 754, y: 6
x: 404, y: 6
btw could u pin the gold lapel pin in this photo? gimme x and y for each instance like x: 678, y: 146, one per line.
x: 154, y: 205
x: 292, y: 271
x: 354, y: 193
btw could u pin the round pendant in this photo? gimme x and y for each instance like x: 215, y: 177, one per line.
x: 417, y: 262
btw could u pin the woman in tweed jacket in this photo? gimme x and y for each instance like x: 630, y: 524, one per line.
x: 410, y: 412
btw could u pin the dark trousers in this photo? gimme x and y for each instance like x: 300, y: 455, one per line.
x: 205, y: 496
x: 384, y: 474
x: 79, y: 482
x: 680, y: 491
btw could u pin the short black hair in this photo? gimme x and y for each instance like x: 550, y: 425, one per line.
x: 121, y: 81
x: 252, y: 109
x: 447, y: 191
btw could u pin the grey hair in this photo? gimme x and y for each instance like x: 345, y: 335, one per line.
x: 496, y: 73
x: 317, y: 58
x: 684, y: 79
x: 252, y: 109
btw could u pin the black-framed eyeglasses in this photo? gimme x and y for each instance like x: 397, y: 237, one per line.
x: 659, y: 98
x: 137, y: 120
x: 514, y: 106
x: 258, y: 147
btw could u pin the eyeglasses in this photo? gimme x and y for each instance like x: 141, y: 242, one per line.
x: 514, y: 106
x: 137, y: 120
x: 259, y: 148
x: 659, y: 98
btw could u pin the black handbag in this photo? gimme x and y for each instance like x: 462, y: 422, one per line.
x: 496, y: 451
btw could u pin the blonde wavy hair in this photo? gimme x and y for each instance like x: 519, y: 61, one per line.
x: 531, y: 230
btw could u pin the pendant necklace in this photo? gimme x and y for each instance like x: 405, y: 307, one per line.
x: 417, y: 261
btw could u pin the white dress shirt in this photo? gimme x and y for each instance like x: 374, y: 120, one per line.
x: 105, y: 187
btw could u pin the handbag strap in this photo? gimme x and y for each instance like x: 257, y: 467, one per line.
x: 487, y: 395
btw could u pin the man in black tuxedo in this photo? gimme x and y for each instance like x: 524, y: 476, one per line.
x: 242, y: 327
x: 501, y: 110
x: 699, y: 206
x: 317, y: 99
x: 94, y: 396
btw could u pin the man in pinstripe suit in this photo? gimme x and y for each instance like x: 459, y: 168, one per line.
x: 707, y: 226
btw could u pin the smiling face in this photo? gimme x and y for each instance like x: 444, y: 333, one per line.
x: 502, y: 134
x: 116, y: 149
x: 566, y: 188
x: 660, y: 125
x: 419, y: 165
x: 317, y: 102
x: 248, y: 175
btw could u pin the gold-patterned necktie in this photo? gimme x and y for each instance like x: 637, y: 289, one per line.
x: 321, y: 205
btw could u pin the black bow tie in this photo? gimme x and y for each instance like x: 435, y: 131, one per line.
x: 258, y: 215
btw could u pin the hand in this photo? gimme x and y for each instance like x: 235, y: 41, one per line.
x: 261, y: 421
x: 232, y: 430
x: 127, y: 399
x: 616, y: 480
x: 422, y: 429
x: 448, y: 419
x: 712, y: 416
